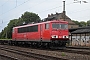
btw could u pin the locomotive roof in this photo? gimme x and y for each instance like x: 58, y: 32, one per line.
x: 42, y: 23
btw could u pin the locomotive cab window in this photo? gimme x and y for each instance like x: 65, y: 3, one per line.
x: 64, y: 26
x: 47, y: 26
x: 59, y: 26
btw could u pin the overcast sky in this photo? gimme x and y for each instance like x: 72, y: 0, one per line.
x: 13, y: 9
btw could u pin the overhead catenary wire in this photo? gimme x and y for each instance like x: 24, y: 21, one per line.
x: 14, y: 7
x: 53, y: 8
x: 18, y: 6
x: 34, y: 5
x: 4, y: 3
x: 37, y: 4
x: 74, y: 12
x: 84, y: 17
x: 40, y: 11
x: 11, y: 10
x: 30, y: 7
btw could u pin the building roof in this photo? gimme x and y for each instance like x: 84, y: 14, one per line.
x: 81, y: 30
x: 59, y: 16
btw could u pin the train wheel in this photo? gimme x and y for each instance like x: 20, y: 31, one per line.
x: 63, y: 44
x: 10, y: 42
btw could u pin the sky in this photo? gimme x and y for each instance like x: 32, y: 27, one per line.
x: 13, y: 9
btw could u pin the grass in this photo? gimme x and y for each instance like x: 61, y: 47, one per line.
x: 63, y: 54
x: 5, y: 39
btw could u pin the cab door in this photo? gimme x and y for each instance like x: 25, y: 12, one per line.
x: 14, y: 34
x: 41, y: 31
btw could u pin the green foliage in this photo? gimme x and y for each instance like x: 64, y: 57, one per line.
x: 63, y: 54
x: 27, y: 17
x: 88, y: 23
x: 3, y: 33
x: 76, y: 22
x: 81, y: 24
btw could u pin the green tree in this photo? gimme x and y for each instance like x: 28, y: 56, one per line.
x: 27, y: 17
x: 3, y: 33
x: 76, y: 22
x: 83, y: 24
x: 11, y: 24
x: 88, y: 23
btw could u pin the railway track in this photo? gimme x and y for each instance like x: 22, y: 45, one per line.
x: 29, y: 54
x: 76, y: 51
x: 7, y: 57
x: 84, y: 48
x: 85, y: 51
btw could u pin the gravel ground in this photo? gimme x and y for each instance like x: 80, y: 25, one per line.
x: 19, y: 57
x: 3, y: 58
x: 70, y: 56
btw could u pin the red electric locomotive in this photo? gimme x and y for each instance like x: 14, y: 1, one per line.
x: 52, y: 33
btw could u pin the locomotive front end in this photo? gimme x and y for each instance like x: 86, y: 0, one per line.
x: 60, y: 33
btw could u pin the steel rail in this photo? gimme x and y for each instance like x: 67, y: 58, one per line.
x: 29, y: 54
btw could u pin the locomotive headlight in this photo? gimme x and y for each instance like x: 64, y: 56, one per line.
x: 65, y: 36
x: 54, y: 36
